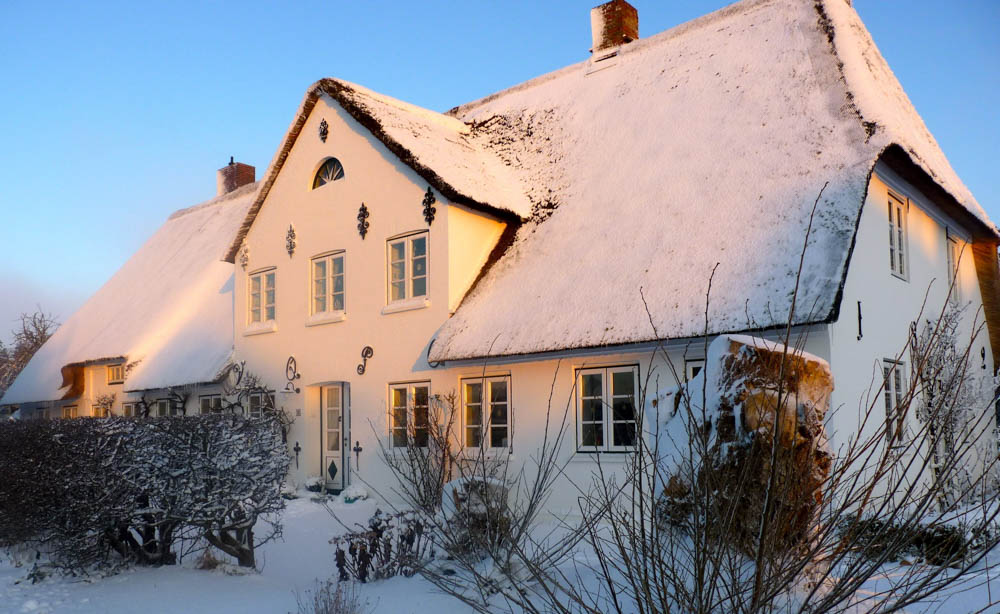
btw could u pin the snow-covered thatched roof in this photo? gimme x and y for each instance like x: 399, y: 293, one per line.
x: 700, y: 149
x: 168, y: 310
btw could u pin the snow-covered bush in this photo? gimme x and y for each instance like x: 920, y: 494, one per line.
x: 98, y: 493
x: 391, y: 545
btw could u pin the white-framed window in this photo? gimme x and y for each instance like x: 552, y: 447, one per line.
x: 897, y: 236
x: 409, y: 414
x: 486, y: 412
x: 954, y: 279
x: 165, y: 407
x: 260, y: 291
x: 692, y: 367
x: 894, y: 387
x: 130, y: 409
x: 606, y: 408
x: 407, y: 258
x: 70, y: 411
x: 210, y: 404
x: 100, y: 411
x: 327, y: 290
x: 258, y: 402
x: 116, y: 374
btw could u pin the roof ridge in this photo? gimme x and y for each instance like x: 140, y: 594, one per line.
x: 218, y: 200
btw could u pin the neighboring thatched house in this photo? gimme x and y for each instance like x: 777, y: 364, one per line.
x: 158, y: 335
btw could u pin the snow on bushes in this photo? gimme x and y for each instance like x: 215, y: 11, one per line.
x: 101, y: 493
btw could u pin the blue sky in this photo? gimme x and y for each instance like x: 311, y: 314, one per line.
x: 115, y: 114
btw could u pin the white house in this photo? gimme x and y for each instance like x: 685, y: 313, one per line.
x: 157, y: 337
x: 529, y: 251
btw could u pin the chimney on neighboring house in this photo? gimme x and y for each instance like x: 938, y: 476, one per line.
x: 232, y: 176
x: 612, y: 24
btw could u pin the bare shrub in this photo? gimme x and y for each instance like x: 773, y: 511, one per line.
x: 330, y: 598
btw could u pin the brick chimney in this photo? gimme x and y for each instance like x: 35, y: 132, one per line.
x: 232, y: 176
x: 612, y: 24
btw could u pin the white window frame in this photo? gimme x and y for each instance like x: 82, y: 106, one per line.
x: 401, y: 432
x: 116, y: 374
x: 954, y: 254
x: 256, y: 403
x: 129, y: 409
x: 209, y: 404
x: 894, y: 391
x: 899, y: 253
x: 485, y: 428
x: 259, y: 315
x: 70, y: 411
x: 607, y: 398
x: 329, y: 283
x: 408, y: 262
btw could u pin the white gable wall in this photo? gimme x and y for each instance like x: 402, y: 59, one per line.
x: 325, y: 219
x: 889, y: 304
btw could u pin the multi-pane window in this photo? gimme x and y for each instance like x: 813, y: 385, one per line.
x: 954, y: 255
x: 210, y: 404
x: 606, y: 412
x: 116, y: 374
x: 407, y: 267
x: 330, y: 171
x: 262, y: 296
x: 409, y: 411
x: 692, y: 367
x: 130, y: 409
x: 100, y: 411
x: 70, y: 411
x: 895, y: 411
x: 258, y: 402
x: 487, y: 415
x: 328, y: 283
x: 897, y: 236
x: 165, y: 407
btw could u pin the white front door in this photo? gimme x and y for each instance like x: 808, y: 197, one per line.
x: 333, y: 425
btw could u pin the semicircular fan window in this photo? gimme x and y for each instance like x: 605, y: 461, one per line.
x: 331, y: 170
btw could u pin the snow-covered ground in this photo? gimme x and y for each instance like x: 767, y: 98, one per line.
x: 294, y: 564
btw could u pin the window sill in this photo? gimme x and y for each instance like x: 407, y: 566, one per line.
x: 260, y: 328
x: 326, y: 317
x: 610, y: 457
x: 898, y: 276
x: 408, y: 305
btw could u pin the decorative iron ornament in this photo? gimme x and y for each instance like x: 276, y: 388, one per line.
x: 429, y: 208
x: 290, y: 240
x: 366, y: 353
x: 244, y: 256
x: 324, y: 130
x: 363, y: 221
x: 291, y: 374
x: 357, y: 449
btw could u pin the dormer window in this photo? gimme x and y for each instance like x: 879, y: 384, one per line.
x: 116, y: 374
x: 331, y: 170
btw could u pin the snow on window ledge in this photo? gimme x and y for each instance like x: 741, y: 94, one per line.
x: 609, y: 457
x: 259, y: 328
x: 419, y: 302
x: 326, y: 317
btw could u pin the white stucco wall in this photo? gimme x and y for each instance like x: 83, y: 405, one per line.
x: 325, y: 219
x: 889, y: 304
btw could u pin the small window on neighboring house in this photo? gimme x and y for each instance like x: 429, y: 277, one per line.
x: 407, y: 257
x: 895, y: 411
x: 100, y: 411
x: 116, y: 374
x: 258, y: 402
x: 409, y: 410
x: 606, y: 411
x: 897, y: 236
x: 129, y: 410
x: 954, y: 257
x: 486, y: 412
x: 330, y: 171
x: 210, y: 404
x: 328, y: 294
x: 261, y: 289
x: 70, y: 411
x: 692, y: 367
